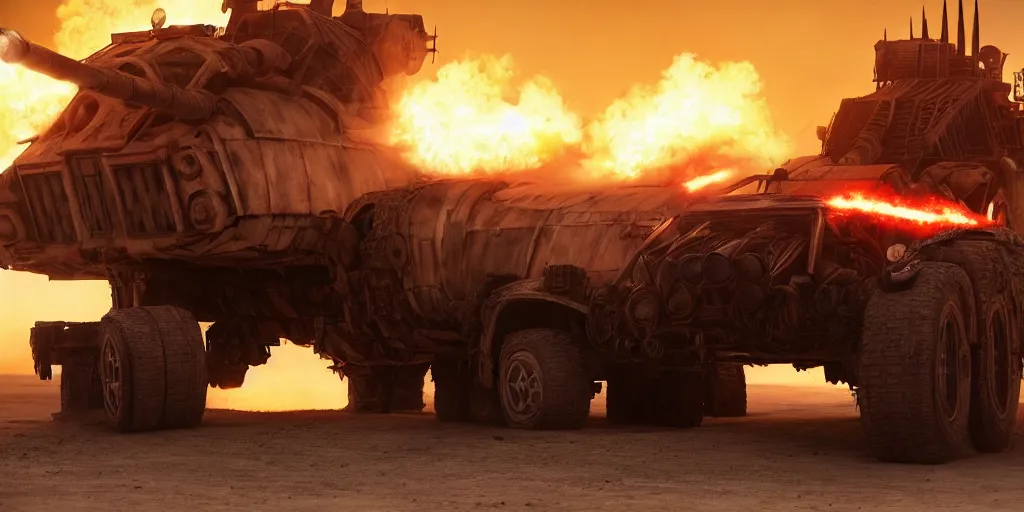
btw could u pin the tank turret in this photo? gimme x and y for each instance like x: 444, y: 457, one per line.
x: 189, y: 143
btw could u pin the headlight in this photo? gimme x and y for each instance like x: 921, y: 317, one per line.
x: 895, y: 252
x: 749, y: 267
x: 717, y: 269
x: 189, y: 165
x: 680, y: 302
x: 207, y: 212
x: 644, y: 307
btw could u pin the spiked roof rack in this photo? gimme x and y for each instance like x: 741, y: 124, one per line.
x: 925, y: 57
x: 961, y: 36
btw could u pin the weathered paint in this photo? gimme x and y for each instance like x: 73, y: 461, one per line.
x: 115, y: 181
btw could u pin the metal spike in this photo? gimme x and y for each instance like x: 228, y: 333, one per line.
x: 885, y: 35
x: 945, y: 24
x: 961, y: 36
x: 924, y: 24
x: 976, y: 36
x: 433, y: 51
x: 911, y: 27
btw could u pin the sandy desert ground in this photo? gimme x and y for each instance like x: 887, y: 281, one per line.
x: 800, y: 449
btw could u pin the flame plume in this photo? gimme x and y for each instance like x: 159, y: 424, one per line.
x: 698, y: 120
x: 921, y: 215
x: 464, y: 122
x: 696, y: 112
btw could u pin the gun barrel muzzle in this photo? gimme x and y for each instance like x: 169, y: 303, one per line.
x: 13, y: 47
x: 182, y: 103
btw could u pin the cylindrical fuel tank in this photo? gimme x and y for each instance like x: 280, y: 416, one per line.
x: 459, y: 233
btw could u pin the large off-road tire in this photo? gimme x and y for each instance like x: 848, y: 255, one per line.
x: 629, y: 396
x: 542, y: 380
x: 995, y: 386
x: 725, y: 391
x: 153, y: 367
x: 80, y: 389
x: 387, y: 389
x: 678, y: 398
x: 915, y: 368
x: 996, y: 375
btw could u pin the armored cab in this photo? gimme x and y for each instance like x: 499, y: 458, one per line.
x: 940, y: 120
x: 202, y: 172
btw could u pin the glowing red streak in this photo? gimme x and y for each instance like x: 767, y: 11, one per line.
x: 933, y: 214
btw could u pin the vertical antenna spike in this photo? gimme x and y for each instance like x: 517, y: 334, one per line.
x: 945, y: 24
x: 961, y: 37
x: 924, y: 24
x: 885, y: 35
x: 911, y: 27
x: 976, y: 35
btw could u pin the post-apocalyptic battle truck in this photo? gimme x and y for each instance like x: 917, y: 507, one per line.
x: 522, y: 299
x: 220, y: 180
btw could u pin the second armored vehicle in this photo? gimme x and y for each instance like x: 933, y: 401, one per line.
x: 523, y: 300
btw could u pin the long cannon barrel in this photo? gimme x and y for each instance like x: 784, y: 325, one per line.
x: 182, y: 103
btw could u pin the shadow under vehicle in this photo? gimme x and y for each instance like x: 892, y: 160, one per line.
x: 523, y: 299
x: 201, y: 172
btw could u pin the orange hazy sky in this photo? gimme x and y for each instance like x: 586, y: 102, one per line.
x: 810, y: 54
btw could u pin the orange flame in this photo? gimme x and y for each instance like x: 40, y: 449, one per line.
x: 31, y: 102
x: 928, y: 214
x: 707, y: 180
x: 697, y: 120
x: 462, y: 123
x: 696, y: 112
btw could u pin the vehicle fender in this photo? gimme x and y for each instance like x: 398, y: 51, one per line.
x: 491, y: 311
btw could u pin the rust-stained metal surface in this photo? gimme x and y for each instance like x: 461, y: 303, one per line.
x: 186, y: 146
x: 433, y: 249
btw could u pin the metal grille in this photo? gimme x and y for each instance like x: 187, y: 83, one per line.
x: 50, y: 207
x: 89, y: 184
x: 147, y: 203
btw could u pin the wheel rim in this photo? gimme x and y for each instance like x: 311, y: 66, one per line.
x: 113, y: 377
x: 1001, y: 363
x: 950, y: 367
x: 522, y: 389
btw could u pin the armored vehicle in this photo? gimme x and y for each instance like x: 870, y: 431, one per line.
x: 519, y: 298
x: 202, y: 173
x: 524, y: 299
